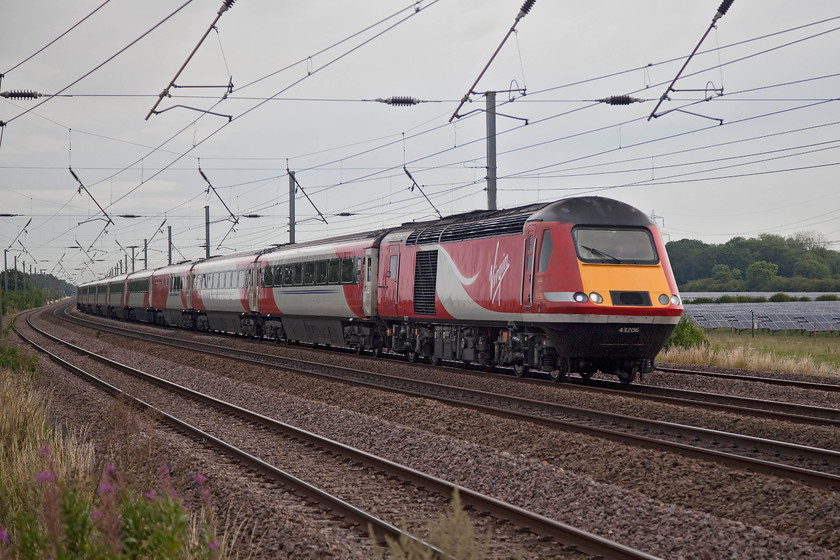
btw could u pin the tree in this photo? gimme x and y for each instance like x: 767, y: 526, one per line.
x: 760, y: 274
x: 810, y: 265
x: 690, y: 259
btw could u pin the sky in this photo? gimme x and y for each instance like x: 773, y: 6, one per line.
x: 748, y: 141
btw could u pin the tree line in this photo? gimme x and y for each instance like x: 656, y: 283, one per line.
x: 25, y: 291
x: 767, y: 263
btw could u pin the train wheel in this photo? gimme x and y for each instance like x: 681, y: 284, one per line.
x: 558, y: 375
x: 434, y: 360
x: 377, y: 350
x: 358, y: 350
x: 411, y: 356
x: 561, y: 372
x: 585, y: 374
x: 520, y: 370
x: 626, y: 377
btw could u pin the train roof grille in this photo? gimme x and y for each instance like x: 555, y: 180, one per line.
x: 503, y: 225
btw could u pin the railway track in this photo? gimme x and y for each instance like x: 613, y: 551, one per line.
x: 315, y: 457
x: 829, y: 387
x: 818, y: 467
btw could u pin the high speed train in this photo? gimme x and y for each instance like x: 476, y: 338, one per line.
x: 577, y: 285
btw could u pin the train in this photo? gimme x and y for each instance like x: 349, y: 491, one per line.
x: 579, y: 285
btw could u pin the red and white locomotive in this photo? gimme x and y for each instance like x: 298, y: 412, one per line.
x: 581, y: 284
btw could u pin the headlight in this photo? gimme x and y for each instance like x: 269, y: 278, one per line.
x: 580, y: 297
x: 596, y: 297
x: 664, y: 299
x: 675, y: 299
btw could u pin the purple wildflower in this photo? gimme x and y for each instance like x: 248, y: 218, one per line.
x: 105, y: 488
x: 45, y: 476
x: 44, y: 451
x: 214, y: 545
x: 4, y: 535
x: 150, y: 495
x: 96, y: 514
x: 110, y: 468
x: 200, y: 478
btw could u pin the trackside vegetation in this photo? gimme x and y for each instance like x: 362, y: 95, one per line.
x: 24, y: 291
x: 58, y: 501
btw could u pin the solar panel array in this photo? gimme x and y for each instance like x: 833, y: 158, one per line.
x: 814, y: 316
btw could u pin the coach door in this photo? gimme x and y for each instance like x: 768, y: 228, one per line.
x: 389, y: 279
x: 528, y: 266
x: 369, y: 277
x: 253, y: 287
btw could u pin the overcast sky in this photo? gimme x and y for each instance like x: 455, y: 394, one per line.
x: 305, y: 75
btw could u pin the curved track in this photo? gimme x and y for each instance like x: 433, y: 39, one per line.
x: 382, y: 470
x: 818, y: 467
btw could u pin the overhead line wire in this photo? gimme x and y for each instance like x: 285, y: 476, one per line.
x: 118, y: 53
x: 51, y: 43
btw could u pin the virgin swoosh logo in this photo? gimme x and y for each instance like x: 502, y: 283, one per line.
x: 461, y: 278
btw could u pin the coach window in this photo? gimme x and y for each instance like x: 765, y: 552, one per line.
x: 321, y: 272
x: 309, y: 273
x: 268, y: 279
x: 334, y: 275
x: 347, y: 270
x: 546, y: 248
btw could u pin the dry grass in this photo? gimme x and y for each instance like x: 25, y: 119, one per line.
x: 25, y: 437
x: 453, y: 535
x: 778, y: 353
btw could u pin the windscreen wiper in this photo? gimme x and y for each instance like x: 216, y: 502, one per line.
x: 600, y: 253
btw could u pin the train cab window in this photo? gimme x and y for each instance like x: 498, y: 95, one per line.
x: 334, y: 275
x: 615, y: 246
x: 393, y: 266
x: 546, y: 247
x: 321, y: 272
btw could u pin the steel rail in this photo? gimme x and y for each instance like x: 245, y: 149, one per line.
x: 831, y: 387
x: 435, y: 391
x: 583, y: 541
x: 778, y: 410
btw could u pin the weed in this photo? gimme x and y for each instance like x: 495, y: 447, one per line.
x: 453, y: 535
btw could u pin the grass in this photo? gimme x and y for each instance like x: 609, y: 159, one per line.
x: 781, y: 352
